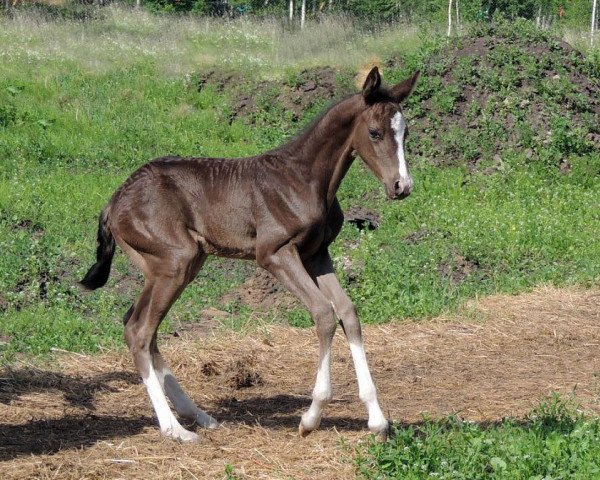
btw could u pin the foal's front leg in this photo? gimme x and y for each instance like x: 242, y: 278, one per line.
x: 321, y: 269
x: 287, y: 267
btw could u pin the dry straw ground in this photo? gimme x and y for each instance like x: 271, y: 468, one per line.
x: 89, y: 417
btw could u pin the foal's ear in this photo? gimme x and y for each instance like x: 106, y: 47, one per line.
x: 404, y: 89
x: 372, y: 83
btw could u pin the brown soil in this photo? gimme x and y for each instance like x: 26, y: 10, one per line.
x: 89, y: 417
x: 261, y: 291
x: 362, y: 217
x: 458, y: 268
x: 308, y: 88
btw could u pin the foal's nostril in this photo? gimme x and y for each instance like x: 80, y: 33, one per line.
x: 401, y: 189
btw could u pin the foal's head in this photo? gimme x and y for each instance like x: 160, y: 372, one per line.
x: 380, y: 133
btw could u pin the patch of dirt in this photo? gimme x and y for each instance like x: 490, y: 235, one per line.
x: 218, y: 79
x: 416, y: 237
x: 458, y: 269
x: 243, y: 373
x: 3, y: 303
x: 210, y: 369
x: 89, y: 417
x: 30, y: 226
x: 261, y: 291
x: 296, y: 96
x: 363, y: 218
x: 129, y: 284
x: 206, y: 324
x: 310, y: 87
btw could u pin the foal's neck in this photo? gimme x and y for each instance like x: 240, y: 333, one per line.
x: 323, y: 154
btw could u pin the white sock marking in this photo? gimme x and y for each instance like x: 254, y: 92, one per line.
x: 168, y: 423
x: 321, y: 394
x: 366, y: 388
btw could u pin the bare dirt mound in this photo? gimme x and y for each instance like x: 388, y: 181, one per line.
x: 253, y: 102
x: 89, y: 417
x: 262, y: 291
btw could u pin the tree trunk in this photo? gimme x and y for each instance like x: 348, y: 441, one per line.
x: 330, y: 5
x: 291, y: 10
x: 457, y: 18
x: 449, y: 17
x: 138, y: 3
x: 594, y: 20
x: 302, y: 14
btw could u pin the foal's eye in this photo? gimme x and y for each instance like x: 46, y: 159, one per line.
x: 375, y: 134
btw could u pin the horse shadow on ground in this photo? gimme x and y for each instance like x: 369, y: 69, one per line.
x: 279, y: 412
x: 79, y: 391
x: 49, y: 436
x: 81, y: 430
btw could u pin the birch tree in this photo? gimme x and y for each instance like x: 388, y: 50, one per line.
x: 302, y: 14
x: 291, y: 10
x: 594, y: 21
x: 457, y: 17
x: 449, y: 17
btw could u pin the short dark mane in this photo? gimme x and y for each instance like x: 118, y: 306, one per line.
x: 310, y: 127
x: 382, y: 95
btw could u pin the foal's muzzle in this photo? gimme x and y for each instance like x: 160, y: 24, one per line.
x: 402, y: 189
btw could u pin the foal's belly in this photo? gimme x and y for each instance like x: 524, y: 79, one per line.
x: 228, y: 238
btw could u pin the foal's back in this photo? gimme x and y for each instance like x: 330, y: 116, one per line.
x: 174, y: 200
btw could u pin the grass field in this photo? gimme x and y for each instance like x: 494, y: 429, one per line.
x: 84, y: 103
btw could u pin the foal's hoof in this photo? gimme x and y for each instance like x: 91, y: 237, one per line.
x: 206, y: 421
x: 182, y: 435
x: 304, y: 430
x: 381, y: 431
x: 383, y: 435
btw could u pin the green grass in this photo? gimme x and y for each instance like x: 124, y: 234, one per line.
x: 554, y: 442
x: 82, y: 104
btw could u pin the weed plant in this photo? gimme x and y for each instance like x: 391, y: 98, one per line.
x: 555, y: 441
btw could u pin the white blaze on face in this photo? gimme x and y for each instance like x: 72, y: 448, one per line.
x: 399, y: 126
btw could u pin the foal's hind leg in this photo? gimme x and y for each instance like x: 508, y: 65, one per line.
x: 184, y: 405
x: 165, y: 280
x: 321, y: 269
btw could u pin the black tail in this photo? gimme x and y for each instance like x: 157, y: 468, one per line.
x: 98, y: 274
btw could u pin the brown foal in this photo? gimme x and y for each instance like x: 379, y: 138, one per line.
x: 278, y: 208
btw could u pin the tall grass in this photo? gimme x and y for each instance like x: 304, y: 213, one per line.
x: 120, y: 36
